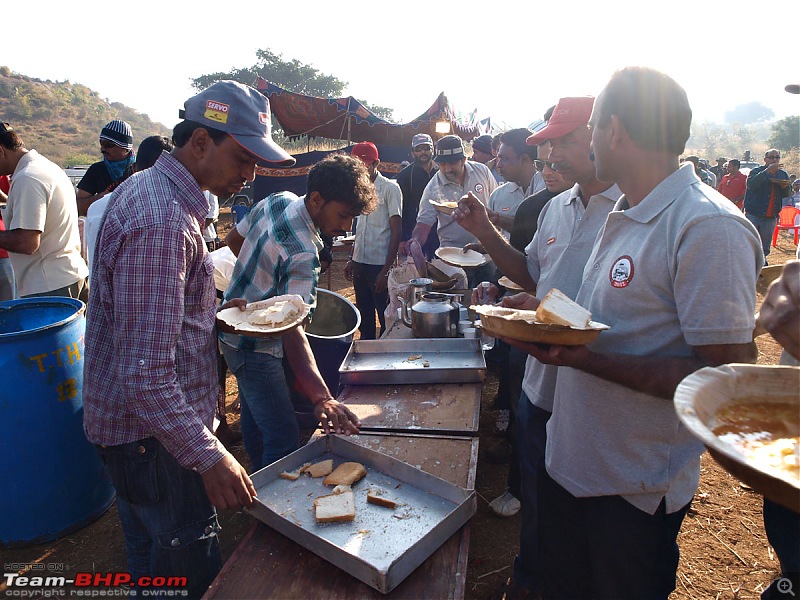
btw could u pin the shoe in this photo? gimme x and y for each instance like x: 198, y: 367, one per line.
x: 505, y: 506
x: 514, y: 591
x: 502, y: 422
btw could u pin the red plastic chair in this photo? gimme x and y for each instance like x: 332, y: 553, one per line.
x: 788, y: 220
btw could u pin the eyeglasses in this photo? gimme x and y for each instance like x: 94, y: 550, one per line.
x: 772, y: 156
x: 541, y: 164
x: 422, y: 148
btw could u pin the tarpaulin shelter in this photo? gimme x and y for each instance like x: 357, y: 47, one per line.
x: 348, y: 119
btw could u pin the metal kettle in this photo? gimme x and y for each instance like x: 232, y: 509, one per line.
x: 434, y: 315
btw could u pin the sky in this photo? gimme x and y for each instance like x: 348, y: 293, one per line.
x: 510, y: 60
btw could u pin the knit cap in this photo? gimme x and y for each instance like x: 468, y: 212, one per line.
x: 119, y: 133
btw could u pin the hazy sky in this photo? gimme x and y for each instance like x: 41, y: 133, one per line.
x: 510, y: 60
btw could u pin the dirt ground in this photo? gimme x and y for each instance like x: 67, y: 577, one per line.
x: 724, y: 550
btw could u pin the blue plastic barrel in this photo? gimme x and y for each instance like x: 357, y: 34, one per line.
x: 52, y: 479
x: 238, y: 212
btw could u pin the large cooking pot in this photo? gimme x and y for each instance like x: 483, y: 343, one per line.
x: 434, y: 315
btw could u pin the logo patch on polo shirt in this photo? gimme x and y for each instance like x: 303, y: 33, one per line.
x: 621, y: 272
x: 478, y: 188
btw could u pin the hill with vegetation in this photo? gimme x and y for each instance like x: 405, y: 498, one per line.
x: 62, y: 120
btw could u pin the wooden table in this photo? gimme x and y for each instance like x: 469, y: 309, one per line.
x: 432, y: 427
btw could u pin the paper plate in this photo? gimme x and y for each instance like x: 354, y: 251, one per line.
x: 444, y: 207
x: 519, y: 325
x: 233, y: 320
x: 509, y: 285
x: 702, y: 395
x: 458, y: 258
x: 781, y: 182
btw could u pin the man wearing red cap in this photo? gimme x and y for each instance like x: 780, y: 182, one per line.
x: 375, y: 248
x: 555, y: 258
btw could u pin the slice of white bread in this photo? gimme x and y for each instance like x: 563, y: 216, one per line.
x: 336, y: 508
x: 295, y: 475
x: 560, y: 309
x: 346, y: 474
x: 378, y: 496
x: 320, y: 469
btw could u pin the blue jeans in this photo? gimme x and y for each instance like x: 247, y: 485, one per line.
x: 765, y: 227
x: 269, y: 426
x: 531, y: 441
x: 368, y: 301
x: 604, y: 547
x: 170, y: 526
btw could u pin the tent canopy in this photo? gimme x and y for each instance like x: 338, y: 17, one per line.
x: 348, y: 119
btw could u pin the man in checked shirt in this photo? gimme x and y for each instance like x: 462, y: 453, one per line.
x: 150, y: 385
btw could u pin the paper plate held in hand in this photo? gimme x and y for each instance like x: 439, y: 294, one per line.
x: 444, y: 207
x: 265, y: 318
x: 460, y: 258
x: 746, y: 415
x: 520, y: 325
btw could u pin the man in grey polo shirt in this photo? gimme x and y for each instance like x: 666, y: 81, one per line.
x: 621, y: 469
x: 555, y: 258
x: 456, y: 177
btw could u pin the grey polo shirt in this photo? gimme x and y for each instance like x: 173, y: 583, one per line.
x: 478, y: 180
x: 505, y: 200
x: 662, y: 277
x: 557, y: 255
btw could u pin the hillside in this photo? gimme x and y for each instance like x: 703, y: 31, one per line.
x: 62, y: 120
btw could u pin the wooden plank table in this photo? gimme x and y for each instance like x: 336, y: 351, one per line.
x: 267, y: 564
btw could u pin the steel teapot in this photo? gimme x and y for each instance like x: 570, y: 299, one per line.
x: 433, y: 315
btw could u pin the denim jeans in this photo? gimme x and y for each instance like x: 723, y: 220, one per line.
x: 531, y: 442
x: 765, y: 227
x: 269, y: 426
x: 170, y: 526
x: 368, y: 301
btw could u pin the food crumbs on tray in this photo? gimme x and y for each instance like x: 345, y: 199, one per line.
x: 414, y: 357
x: 426, y: 364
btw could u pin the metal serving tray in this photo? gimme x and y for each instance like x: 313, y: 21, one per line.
x: 449, y: 360
x: 382, y: 546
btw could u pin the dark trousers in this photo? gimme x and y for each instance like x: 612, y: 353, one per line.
x: 170, y: 526
x: 783, y: 532
x: 515, y: 371
x: 604, y: 547
x: 368, y: 301
x: 531, y: 440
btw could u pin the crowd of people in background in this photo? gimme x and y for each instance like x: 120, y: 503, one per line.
x: 598, y: 203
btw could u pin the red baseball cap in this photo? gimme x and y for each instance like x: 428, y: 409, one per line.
x: 568, y: 115
x: 366, y: 151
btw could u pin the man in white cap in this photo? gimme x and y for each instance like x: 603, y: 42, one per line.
x: 412, y: 181
x: 150, y: 386
x: 116, y: 146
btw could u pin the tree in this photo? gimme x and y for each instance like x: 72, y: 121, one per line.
x: 785, y: 134
x: 749, y: 113
x: 292, y: 75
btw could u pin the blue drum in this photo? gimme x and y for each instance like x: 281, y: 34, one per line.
x: 53, y: 481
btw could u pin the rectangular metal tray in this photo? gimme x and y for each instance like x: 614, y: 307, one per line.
x: 449, y: 360
x: 381, y: 547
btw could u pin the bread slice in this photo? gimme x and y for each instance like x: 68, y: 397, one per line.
x: 336, y: 508
x: 320, y: 469
x: 560, y: 309
x: 346, y: 474
x: 377, y: 496
x: 295, y: 475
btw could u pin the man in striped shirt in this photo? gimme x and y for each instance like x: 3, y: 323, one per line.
x: 150, y: 383
x: 277, y: 246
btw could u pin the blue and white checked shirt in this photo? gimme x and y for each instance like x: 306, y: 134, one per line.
x: 280, y: 255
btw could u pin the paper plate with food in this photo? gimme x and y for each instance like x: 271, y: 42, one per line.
x: 265, y: 318
x: 509, y: 285
x: 781, y: 182
x: 459, y: 257
x: 746, y: 415
x: 557, y: 320
x: 443, y: 206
